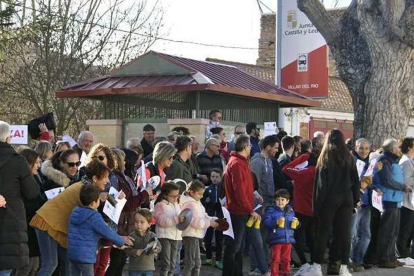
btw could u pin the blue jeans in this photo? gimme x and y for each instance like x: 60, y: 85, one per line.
x: 257, y: 252
x: 5, y: 272
x: 361, y: 234
x: 177, y: 269
x: 78, y: 269
x: 51, y: 252
x: 140, y: 273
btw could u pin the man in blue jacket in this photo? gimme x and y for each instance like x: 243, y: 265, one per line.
x: 86, y: 227
x: 390, y: 180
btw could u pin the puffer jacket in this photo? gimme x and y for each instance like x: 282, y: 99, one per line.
x: 86, y: 226
x: 275, y: 234
x: 390, y: 180
x: 166, y: 216
x: 200, y: 221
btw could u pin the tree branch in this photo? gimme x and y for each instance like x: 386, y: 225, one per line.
x: 323, y: 21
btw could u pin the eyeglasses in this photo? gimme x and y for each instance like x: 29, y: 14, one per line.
x: 100, y: 157
x: 171, y: 158
x: 216, y: 145
x: 73, y: 164
x: 174, y: 196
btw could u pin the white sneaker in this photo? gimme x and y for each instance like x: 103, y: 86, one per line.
x: 315, y: 270
x: 408, y: 261
x: 343, y: 271
x: 302, y: 269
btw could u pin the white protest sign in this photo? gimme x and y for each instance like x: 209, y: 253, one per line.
x: 19, y: 134
x: 228, y: 232
x: 377, y: 201
x: 370, y: 170
x: 50, y: 194
x: 114, y: 212
x: 270, y: 128
x: 69, y: 139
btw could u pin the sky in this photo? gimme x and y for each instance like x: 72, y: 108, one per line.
x: 219, y: 22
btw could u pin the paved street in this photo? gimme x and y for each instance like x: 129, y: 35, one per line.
x: 402, y: 271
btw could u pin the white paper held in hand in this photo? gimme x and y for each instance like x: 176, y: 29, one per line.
x: 226, y: 214
x: 114, y: 212
x: 377, y: 201
x: 50, y: 194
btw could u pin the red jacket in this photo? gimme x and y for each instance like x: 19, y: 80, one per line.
x: 238, y: 184
x: 302, y: 185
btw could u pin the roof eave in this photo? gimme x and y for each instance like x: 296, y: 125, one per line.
x: 285, y: 101
x: 129, y: 91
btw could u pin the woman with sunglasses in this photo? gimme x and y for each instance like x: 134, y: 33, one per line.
x: 163, y: 155
x: 51, y: 221
x: 61, y: 170
x: 134, y: 200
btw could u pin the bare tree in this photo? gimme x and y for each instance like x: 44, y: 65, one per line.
x: 61, y: 42
x: 373, y: 46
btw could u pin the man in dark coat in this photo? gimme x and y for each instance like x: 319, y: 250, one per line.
x: 16, y: 181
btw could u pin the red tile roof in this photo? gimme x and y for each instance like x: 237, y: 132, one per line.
x: 338, y: 99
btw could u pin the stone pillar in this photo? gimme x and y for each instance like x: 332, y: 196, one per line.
x: 108, y: 132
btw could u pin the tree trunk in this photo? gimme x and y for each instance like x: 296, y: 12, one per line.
x: 374, y: 57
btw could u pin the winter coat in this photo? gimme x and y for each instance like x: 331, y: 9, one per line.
x: 86, y: 227
x: 255, y: 146
x: 213, y: 206
x: 390, y: 180
x: 166, y: 216
x: 148, y: 149
x: 275, y: 234
x: 200, y: 221
x: 54, y: 178
x: 263, y: 168
x: 54, y: 214
x: 16, y: 185
x: 407, y: 165
x: 134, y: 200
x: 330, y: 182
x: 143, y: 262
x: 180, y: 169
x: 31, y: 206
x: 207, y: 164
x: 365, y: 196
x: 238, y: 183
x: 303, y: 182
x: 284, y: 159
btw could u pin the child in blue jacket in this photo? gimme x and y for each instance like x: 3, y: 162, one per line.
x: 86, y: 227
x: 281, y: 222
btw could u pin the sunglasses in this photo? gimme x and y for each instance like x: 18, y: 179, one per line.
x: 239, y: 133
x: 100, y: 157
x: 171, y: 158
x: 73, y: 164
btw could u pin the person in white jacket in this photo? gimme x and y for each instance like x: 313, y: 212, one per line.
x: 407, y: 211
x: 167, y: 211
x: 197, y: 228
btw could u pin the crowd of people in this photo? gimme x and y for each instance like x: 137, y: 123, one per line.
x: 288, y: 200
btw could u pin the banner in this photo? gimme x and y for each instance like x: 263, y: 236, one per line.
x: 303, y: 53
x: 19, y: 134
